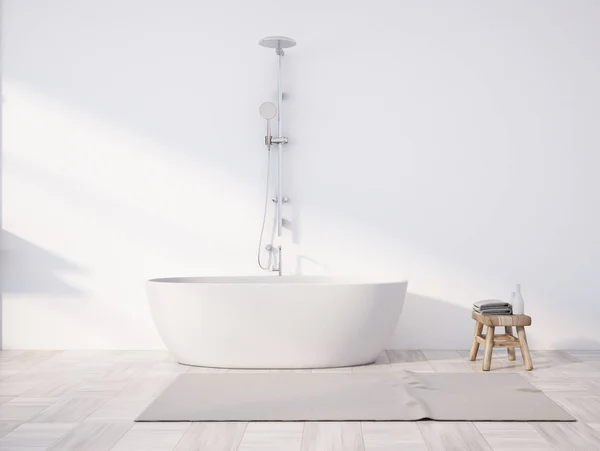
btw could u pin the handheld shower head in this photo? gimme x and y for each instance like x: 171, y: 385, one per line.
x: 267, y: 110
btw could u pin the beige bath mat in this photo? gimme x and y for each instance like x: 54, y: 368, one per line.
x: 399, y: 396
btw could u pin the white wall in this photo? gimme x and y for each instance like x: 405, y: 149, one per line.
x: 454, y: 144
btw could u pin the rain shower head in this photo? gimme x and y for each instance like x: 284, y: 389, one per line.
x: 277, y: 42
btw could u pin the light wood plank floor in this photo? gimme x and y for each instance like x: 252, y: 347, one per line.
x: 87, y: 401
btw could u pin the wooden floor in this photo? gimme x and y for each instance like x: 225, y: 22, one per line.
x: 87, y: 400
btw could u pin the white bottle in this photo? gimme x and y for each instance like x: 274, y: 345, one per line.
x: 518, y: 306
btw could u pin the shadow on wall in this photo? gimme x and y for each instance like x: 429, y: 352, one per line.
x: 428, y: 323
x: 305, y: 264
x: 27, y: 268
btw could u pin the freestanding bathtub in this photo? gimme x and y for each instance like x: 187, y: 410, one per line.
x: 274, y: 322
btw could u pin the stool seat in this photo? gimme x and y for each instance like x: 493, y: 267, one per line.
x: 502, y: 320
x: 507, y: 340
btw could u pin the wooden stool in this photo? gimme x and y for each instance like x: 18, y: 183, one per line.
x: 506, y: 340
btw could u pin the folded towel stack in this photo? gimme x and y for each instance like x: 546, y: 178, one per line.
x: 492, y: 307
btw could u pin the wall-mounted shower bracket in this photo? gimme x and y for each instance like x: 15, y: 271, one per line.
x: 275, y: 140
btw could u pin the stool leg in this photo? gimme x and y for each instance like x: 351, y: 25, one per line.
x: 524, y: 348
x: 489, y: 347
x: 475, y: 345
x: 511, y: 351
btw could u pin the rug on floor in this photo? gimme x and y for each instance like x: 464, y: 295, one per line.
x: 397, y: 396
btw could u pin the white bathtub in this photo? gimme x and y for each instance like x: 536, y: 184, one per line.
x: 274, y: 322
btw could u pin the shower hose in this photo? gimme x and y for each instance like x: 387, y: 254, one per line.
x: 264, y: 220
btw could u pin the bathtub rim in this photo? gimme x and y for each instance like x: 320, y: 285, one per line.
x: 274, y: 280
